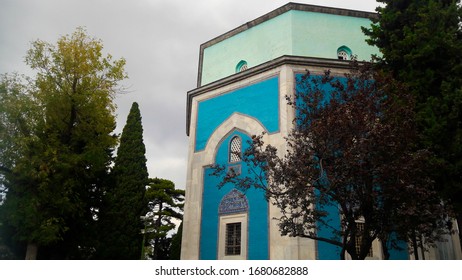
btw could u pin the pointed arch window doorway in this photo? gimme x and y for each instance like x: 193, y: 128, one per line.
x: 344, y: 53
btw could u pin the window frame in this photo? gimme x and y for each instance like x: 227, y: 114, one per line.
x: 230, y: 219
x: 233, y: 233
x: 358, y: 239
x: 344, y: 53
x: 241, y: 66
x: 232, y: 153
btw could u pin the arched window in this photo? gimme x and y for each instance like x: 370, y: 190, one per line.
x: 235, y: 149
x: 344, y: 53
x: 241, y: 66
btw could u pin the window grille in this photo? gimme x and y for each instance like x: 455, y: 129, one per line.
x: 235, y: 148
x: 241, y: 66
x: 342, y: 55
x: 358, y: 239
x: 233, y: 239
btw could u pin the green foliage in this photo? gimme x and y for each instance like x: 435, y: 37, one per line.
x: 175, y: 249
x: 19, y: 114
x: 125, y: 200
x: 57, y: 140
x: 7, y: 249
x: 165, y: 205
x: 421, y: 43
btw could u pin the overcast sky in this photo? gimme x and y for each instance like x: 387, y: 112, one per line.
x: 160, y: 41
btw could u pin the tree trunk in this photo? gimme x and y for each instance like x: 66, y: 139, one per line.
x: 422, y: 250
x: 459, y: 226
x: 386, y: 253
x: 414, y: 246
x: 157, y: 239
x: 31, y: 251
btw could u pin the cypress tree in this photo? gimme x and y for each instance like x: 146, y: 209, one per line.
x: 125, y: 202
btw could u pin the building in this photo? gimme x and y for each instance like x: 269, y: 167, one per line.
x: 244, y: 76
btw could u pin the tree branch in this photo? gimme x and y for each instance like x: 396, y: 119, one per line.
x: 318, y: 238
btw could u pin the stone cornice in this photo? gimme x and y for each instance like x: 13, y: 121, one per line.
x: 283, y: 60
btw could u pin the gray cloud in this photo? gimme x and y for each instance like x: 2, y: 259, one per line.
x: 159, y: 39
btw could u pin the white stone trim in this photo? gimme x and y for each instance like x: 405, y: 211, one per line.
x: 195, y: 178
x: 235, y: 218
x: 280, y: 247
x: 236, y: 121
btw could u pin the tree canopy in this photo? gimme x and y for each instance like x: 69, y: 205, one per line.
x: 165, y: 205
x: 421, y: 46
x: 351, y: 153
x: 56, y: 142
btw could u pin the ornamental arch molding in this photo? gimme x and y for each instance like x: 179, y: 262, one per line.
x: 236, y: 121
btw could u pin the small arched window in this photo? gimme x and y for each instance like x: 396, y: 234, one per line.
x: 241, y: 66
x: 344, y: 53
x: 235, y: 149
